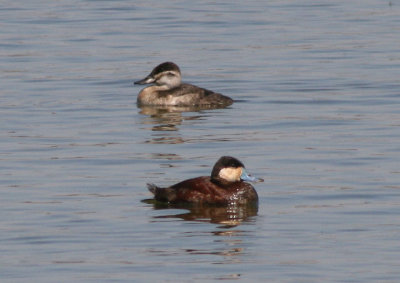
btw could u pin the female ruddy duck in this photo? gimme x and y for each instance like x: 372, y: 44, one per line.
x: 169, y: 91
x: 225, y: 186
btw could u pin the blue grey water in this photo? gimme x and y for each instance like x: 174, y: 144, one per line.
x: 317, y: 85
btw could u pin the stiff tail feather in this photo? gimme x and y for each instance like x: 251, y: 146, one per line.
x: 162, y: 194
x: 152, y: 188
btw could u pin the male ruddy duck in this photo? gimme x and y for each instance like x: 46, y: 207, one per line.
x: 225, y: 186
x: 168, y: 90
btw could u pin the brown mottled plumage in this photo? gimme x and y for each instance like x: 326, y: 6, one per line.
x: 168, y: 90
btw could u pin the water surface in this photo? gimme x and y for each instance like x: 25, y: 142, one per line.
x: 317, y: 116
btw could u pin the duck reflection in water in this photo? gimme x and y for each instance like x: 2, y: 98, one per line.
x: 224, y: 197
x: 168, y: 118
x: 227, y: 216
x: 164, y: 121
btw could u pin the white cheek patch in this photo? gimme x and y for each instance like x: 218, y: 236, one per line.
x: 149, y: 80
x: 230, y: 174
x: 168, y: 78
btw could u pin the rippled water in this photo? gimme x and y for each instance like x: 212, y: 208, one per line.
x: 317, y: 116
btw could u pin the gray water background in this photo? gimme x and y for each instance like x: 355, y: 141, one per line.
x: 317, y: 85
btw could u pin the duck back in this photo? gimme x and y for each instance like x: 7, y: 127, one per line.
x: 203, y: 190
x: 182, y: 95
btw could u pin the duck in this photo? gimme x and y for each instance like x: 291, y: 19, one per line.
x: 168, y: 90
x: 226, y: 186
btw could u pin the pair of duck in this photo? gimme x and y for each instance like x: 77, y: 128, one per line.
x: 227, y: 184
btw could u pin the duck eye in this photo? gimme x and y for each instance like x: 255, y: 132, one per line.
x: 169, y: 74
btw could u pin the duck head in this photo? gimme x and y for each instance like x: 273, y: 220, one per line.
x: 229, y: 169
x: 167, y: 75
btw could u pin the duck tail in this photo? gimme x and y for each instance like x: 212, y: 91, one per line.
x: 162, y: 194
x: 152, y: 188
